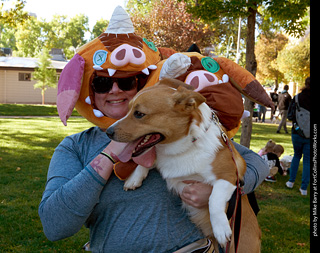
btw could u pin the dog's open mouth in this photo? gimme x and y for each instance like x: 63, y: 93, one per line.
x: 147, y: 142
x: 140, y: 146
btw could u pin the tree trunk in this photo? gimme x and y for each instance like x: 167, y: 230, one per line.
x: 42, y: 94
x: 251, y: 66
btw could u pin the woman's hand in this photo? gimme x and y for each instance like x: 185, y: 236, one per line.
x: 102, y: 164
x: 196, y: 194
x: 115, y: 147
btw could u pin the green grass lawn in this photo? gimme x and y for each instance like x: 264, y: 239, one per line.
x: 26, y: 147
x: 30, y: 110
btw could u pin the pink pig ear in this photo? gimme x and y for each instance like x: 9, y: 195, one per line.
x: 69, y: 86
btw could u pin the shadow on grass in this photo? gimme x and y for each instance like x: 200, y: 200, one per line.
x: 30, y: 110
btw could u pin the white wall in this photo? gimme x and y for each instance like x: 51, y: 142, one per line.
x: 22, y: 92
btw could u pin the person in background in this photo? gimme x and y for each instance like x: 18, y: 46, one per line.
x: 274, y: 97
x: 268, y: 148
x: 284, y: 102
x: 262, y: 112
x: 272, y: 158
x: 301, y: 144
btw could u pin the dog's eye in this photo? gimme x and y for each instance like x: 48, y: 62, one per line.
x: 138, y: 114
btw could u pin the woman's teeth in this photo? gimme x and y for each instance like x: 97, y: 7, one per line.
x: 116, y: 101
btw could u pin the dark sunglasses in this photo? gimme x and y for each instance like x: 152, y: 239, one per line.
x: 103, y: 85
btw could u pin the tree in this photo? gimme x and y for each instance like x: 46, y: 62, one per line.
x: 7, y: 37
x: 267, y: 50
x: 45, y: 74
x: 13, y: 16
x: 167, y: 24
x: 9, y: 19
x: 66, y: 34
x: 283, y: 13
x: 76, y: 29
x: 29, y: 38
x: 60, y: 32
x: 294, y: 61
x: 100, y: 26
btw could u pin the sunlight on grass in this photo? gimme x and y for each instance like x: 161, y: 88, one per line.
x: 30, y: 110
x: 26, y: 148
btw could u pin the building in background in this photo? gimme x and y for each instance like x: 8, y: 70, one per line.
x: 16, y: 84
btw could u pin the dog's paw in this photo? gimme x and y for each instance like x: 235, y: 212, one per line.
x: 132, y: 183
x: 135, y: 180
x: 222, y: 231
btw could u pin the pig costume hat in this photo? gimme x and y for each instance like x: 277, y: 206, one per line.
x: 220, y: 80
x: 118, y: 53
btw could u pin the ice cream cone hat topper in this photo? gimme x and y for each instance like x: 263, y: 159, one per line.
x: 118, y: 53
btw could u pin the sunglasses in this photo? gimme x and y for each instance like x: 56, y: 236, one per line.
x: 103, y: 85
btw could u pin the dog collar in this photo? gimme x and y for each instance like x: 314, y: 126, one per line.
x: 215, y: 119
x: 217, y: 122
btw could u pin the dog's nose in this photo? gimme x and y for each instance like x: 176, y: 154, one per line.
x: 110, y: 132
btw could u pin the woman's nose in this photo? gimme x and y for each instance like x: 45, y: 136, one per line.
x: 115, y: 88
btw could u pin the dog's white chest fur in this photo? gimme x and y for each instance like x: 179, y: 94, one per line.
x: 191, y: 156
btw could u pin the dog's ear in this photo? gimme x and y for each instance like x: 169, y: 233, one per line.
x: 174, y: 83
x: 187, y: 100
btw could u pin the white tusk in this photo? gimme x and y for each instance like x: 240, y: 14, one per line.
x: 97, y: 67
x: 111, y: 72
x: 225, y: 78
x: 145, y: 71
x: 88, y: 100
x: 97, y: 113
x: 152, y: 67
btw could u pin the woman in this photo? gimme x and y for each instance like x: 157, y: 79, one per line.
x: 301, y: 144
x: 82, y: 190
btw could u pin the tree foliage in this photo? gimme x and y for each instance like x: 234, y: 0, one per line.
x: 29, y: 38
x: 294, y: 61
x: 267, y: 50
x: 14, y: 15
x: 286, y: 13
x: 45, y: 74
x: 168, y: 24
x: 100, y: 26
x: 60, y: 32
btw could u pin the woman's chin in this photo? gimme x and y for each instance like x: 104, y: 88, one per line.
x: 116, y: 113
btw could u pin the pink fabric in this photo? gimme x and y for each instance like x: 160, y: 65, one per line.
x: 200, y: 79
x: 69, y: 86
x: 70, y: 78
x: 66, y: 101
x: 126, y: 54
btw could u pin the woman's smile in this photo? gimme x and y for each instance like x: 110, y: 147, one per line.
x: 114, y: 104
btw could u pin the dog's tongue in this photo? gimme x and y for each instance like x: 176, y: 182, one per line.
x: 126, y: 153
x: 146, y: 159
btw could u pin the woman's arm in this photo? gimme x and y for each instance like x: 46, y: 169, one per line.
x: 197, y: 194
x: 257, y: 168
x: 72, y: 189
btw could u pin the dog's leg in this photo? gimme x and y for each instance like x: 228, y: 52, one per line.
x: 221, y: 193
x: 135, y: 179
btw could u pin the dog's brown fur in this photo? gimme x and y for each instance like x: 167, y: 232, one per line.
x: 171, y: 112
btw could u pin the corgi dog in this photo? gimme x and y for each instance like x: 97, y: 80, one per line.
x: 190, y: 144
